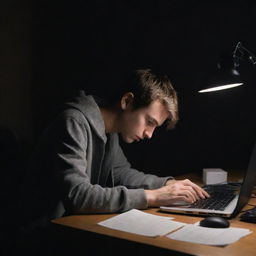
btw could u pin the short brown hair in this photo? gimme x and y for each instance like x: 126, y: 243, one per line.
x: 146, y: 87
x: 149, y: 87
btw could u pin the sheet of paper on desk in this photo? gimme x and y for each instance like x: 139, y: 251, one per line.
x: 142, y: 223
x: 209, y: 236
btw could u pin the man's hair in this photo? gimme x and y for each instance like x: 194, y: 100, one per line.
x: 148, y: 87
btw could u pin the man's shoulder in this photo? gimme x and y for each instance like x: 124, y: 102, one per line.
x: 72, y: 114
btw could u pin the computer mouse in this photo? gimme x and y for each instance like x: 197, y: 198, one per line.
x: 214, y: 222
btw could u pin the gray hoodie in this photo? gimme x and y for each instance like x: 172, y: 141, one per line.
x: 77, y: 168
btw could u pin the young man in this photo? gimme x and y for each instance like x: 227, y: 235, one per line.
x: 79, y: 167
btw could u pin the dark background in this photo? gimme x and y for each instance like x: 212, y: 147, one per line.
x: 49, y: 47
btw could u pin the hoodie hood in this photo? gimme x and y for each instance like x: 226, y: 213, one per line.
x: 90, y: 109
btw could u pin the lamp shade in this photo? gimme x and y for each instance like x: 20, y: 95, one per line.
x: 223, y: 79
x: 226, y: 76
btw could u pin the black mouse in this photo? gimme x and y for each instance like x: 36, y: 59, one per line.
x: 214, y: 222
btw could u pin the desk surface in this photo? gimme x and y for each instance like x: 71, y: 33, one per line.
x: 245, y: 246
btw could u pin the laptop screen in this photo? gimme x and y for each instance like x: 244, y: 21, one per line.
x: 248, y: 183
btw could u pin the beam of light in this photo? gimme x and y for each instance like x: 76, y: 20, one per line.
x: 218, y: 88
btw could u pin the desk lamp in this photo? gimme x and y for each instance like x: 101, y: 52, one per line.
x: 227, y: 75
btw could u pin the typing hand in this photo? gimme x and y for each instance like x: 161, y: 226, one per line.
x: 175, y: 190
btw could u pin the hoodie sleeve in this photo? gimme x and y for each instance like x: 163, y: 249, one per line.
x: 132, y: 178
x: 73, y: 176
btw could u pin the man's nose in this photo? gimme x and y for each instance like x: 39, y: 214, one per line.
x: 148, y: 133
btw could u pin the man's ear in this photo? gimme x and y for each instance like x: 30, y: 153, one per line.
x: 127, y: 100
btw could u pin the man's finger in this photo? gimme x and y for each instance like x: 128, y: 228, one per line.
x: 199, y: 190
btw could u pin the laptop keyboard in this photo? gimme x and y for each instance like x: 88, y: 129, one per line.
x: 221, y: 196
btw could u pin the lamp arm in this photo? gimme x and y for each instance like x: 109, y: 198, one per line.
x: 241, y: 53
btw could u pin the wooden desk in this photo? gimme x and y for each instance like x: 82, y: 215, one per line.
x: 246, y: 246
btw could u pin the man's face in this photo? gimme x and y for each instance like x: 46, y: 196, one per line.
x: 136, y: 125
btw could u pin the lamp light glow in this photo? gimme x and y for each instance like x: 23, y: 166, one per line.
x: 219, y: 88
x: 227, y: 75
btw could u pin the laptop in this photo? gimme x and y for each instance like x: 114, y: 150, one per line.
x: 238, y: 196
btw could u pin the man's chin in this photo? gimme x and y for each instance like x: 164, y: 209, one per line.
x: 128, y: 140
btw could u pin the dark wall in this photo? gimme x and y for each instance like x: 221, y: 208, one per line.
x: 15, y: 67
x: 91, y: 44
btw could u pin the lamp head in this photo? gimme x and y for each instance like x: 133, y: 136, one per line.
x: 227, y: 74
x: 224, y: 78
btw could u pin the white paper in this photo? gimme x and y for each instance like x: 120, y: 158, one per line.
x: 209, y: 236
x: 141, y: 223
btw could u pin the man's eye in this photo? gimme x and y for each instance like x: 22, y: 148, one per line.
x: 151, y: 123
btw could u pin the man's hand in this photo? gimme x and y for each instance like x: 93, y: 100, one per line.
x: 175, y: 190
